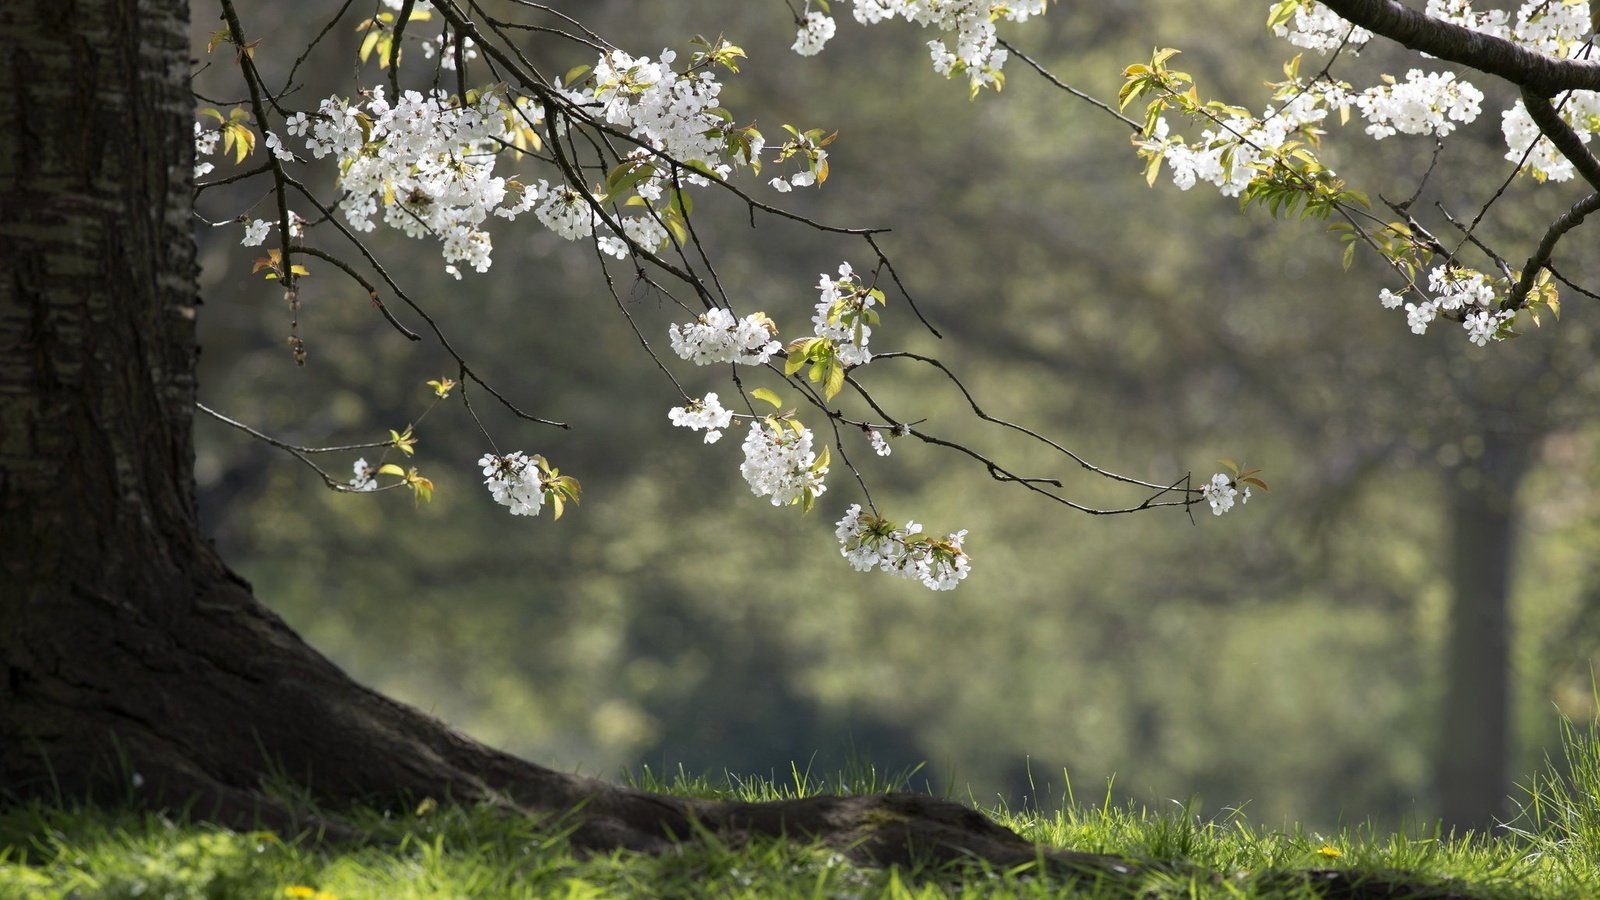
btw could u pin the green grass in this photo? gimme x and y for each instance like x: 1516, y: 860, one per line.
x: 1551, y: 850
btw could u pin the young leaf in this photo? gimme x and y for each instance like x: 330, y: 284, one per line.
x: 835, y: 380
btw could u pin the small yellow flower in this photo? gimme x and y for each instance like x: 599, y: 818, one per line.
x: 1330, y: 852
x: 301, y: 892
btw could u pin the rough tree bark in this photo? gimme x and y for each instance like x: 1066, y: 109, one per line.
x: 127, y: 647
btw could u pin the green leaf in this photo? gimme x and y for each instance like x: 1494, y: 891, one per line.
x: 625, y: 176
x: 369, y: 43
x: 768, y: 396
x: 835, y: 380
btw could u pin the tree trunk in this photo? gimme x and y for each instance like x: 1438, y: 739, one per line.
x: 1472, y: 768
x: 133, y: 663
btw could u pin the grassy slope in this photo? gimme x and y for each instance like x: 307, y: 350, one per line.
x: 1551, y: 850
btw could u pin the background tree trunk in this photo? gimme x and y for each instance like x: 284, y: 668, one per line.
x: 1472, y: 768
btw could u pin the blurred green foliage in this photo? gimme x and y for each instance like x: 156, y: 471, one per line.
x: 1285, y: 658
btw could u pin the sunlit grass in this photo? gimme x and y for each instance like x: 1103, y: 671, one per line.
x: 1550, y: 850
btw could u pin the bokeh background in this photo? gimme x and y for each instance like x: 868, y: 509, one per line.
x: 1290, y: 659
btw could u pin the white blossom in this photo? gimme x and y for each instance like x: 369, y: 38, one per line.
x: 868, y: 542
x: 1458, y: 293
x: 841, y: 313
x: 1425, y: 103
x: 424, y: 164
x: 275, y: 144
x: 880, y: 445
x: 444, y: 47
x: 779, y: 463
x: 1455, y: 288
x: 1316, y: 27
x: 255, y: 233
x: 567, y: 212
x: 364, y: 479
x: 815, y: 30
x: 1579, y: 109
x: 205, y: 144
x: 704, y: 414
x: 969, y: 43
x: 669, y: 112
x: 1219, y: 492
x: 717, y: 337
x: 1483, y: 326
x: 514, y: 482
x: 1418, y: 315
x: 1494, y: 22
x: 1556, y: 28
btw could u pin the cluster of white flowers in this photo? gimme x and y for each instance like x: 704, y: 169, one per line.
x: 205, y: 144
x: 1316, y: 27
x: 567, y: 211
x: 1228, y: 152
x: 869, y: 542
x: 1496, y: 22
x: 1551, y: 27
x: 1467, y: 294
x: 880, y: 444
x: 718, y: 337
x: 1226, y: 155
x: 779, y: 463
x: 425, y: 162
x: 783, y: 184
x: 1434, y: 103
x: 670, y: 112
x: 444, y: 47
x: 704, y: 414
x: 970, y: 44
x: 364, y: 479
x: 841, y: 316
x: 1579, y: 109
x: 275, y: 144
x: 1220, y: 493
x: 815, y: 30
x: 255, y: 232
x: 514, y: 482
x: 646, y: 231
x: 1425, y: 103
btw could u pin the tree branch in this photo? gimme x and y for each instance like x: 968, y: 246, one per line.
x: 1446, y: 40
